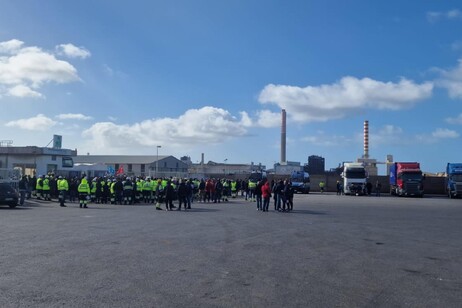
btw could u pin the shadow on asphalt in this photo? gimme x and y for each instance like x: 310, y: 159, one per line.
x: 14, y: 209
x: 308, y: 212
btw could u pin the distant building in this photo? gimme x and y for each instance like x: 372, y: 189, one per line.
x: 214, y: 169
x: 287, y: 168
x: 33, y: 160
x: 316, y: 165
x: 132, y: 165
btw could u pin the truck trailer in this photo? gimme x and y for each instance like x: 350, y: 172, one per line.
x: 454, y: 180
x: 354, y: 179
x: 406, y: 179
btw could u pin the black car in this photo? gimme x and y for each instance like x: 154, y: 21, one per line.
x: 8, y: 195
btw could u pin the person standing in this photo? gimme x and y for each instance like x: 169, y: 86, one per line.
x: 289, y: 195
x: 46, y: 189
x: 119, y: 191
x: 266, y: 195
x: 281, y: 202
x: 321, y: 186
x: 182, y: 194
x: 169, y: 192
x: 258, y: 195
x: 23, y: 187
x: 159, y: 194
x: 63, y: 187
x: 189, y: 193
x: 84, y: 192
x: 128, y: 191
x: 378, y: 188
x: 39, y: 187
x: 339, y: 188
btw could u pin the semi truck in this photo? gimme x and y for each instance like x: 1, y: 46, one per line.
x: 300, y: 182
x: 354, y: 179
x: 406, y: 179
x: 454, y: 180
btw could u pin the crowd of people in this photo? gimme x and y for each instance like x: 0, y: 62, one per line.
x: 126, y: 190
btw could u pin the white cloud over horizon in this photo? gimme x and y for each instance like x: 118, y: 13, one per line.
x: 72, y: 51
x: 267, y: 119
x: 435, y: 16
x: 195, y: 126
x: 73, y: 116
x: 456, y: 120
x: 38, y: 123
x: 24, y: 70
x: 347, y: 96
x: 444, y: 133
x: 451, y: 80
x: 389, y: 135
x: 23, y: 91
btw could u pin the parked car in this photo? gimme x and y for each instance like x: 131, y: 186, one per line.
x: 8, y: 195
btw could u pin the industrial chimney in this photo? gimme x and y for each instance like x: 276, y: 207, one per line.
x: 283, y: 136
x: 366, y: 139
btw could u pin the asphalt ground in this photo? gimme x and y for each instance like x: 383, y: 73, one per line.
x: 331, y: 251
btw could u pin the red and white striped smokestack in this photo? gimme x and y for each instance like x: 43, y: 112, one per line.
x: 283, y: 136
x: 366, y: 139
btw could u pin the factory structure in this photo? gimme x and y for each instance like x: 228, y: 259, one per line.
x: 369, y: 163
x: 37, y: 160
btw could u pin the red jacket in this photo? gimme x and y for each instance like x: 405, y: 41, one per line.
x: 266, y: 190
x: 209, y: 186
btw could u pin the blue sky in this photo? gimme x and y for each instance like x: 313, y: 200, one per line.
x: 121, y: 77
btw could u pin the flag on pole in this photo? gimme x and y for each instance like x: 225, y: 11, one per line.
x: 120, y: 170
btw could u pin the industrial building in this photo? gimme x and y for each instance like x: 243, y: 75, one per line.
x: 316, y: 164
x: 33, y: 160
x: 131, y: 165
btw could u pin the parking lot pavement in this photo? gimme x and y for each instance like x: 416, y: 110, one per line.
x: 342, y: 251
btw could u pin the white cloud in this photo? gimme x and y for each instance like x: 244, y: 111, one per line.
x: 456, y: 120
x: 73, y: 116
x: 450, y: 15
x: 196, y: 126
x: 23, y: 91
x: 451, y: 80
x: 39, y: 122
x: 326, y: 140
x: 72, y: 51
x: 10, y: 46
x: 267, y: 118
x: 347, y: 96
x: 387, y: 135
x: 444, y: 133
x: 246, y: 121
x: 30, y: 68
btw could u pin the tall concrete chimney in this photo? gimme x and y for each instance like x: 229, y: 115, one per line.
x: 202, y: 158
x: 366, y: 139
x: 283, y: 136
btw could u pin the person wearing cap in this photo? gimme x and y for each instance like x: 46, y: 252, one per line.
x: 63, y: 187
x: 46, y: 189
x: 84, y: 192
x: 128, y: 190
x: 147, y: 190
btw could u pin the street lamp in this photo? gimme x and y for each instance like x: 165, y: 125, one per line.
x: 157, y: 160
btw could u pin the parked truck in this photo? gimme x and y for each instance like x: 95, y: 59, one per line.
x: 300, y: 182
x: 454, y: 180
x: 354, y: 179
x: 406, y: 179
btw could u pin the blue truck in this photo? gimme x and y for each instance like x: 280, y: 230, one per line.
x: 300, y: 182
x: 454, y: 180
